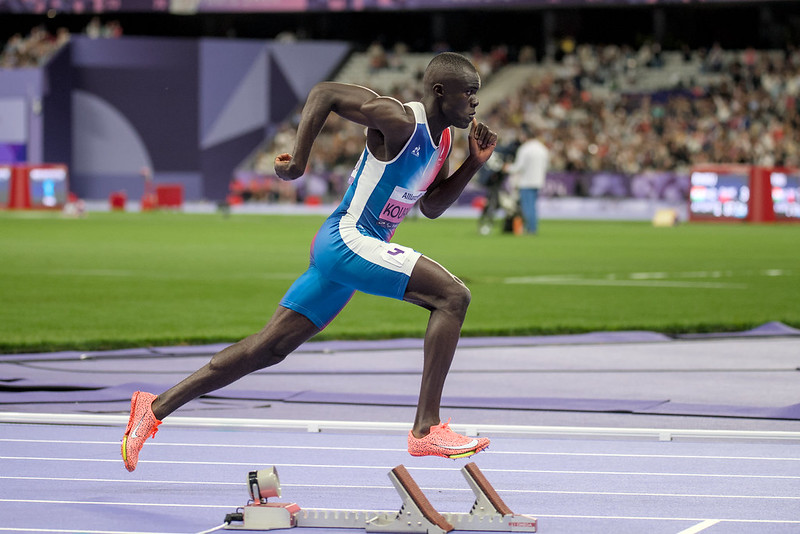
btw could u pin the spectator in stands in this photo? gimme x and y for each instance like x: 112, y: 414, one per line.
x: 39, y: 46
x: 378, y: 60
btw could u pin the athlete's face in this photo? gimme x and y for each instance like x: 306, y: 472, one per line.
x: 459, y: 97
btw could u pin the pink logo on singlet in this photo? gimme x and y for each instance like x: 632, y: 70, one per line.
x: 399, y: 204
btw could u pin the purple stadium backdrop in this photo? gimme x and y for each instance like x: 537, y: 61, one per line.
x: 188, y: 110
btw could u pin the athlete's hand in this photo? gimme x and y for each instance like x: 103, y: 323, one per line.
x: 286, y: 167
x: 481, y: 141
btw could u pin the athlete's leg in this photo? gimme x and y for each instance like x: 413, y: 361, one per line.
x: 434, y: 288
x: 306, y: 308
x: 284, y: 332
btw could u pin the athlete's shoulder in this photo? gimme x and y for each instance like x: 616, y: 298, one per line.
x: 418, y: 109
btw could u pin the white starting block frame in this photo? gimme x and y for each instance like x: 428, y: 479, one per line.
x: 416, y: 515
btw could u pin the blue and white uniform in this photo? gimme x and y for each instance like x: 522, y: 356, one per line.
x: 352, y: 250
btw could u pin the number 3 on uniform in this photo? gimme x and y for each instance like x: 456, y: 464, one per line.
x: 394, y: 255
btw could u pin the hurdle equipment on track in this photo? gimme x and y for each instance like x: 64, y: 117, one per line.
x: 416, y: 515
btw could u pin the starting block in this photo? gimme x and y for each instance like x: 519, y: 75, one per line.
x: 416, y: 515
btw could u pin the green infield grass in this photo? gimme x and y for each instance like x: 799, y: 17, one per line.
x: 113, y: 280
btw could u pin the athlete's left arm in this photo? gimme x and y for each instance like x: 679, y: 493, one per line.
x: 446, y: 187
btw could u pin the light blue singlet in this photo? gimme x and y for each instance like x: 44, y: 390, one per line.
x: 351, y: 251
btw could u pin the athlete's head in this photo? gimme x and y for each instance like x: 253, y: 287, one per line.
x: 444, y: 64
x: 453, y: 81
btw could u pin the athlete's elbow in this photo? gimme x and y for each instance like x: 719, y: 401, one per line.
x: 430, y: 211
x: 321, y: 96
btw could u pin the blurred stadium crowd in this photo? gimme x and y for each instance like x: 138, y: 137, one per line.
x: 595, y: 110
x: 39, y: 44
x: 747, y: 114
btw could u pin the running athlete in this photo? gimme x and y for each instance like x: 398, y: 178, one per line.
x: 405, y: 162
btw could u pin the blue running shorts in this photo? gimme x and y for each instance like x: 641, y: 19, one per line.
x: 345, y: 260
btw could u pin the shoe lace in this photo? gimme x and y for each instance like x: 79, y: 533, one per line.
x: 446, y: 425
x: 155, y: 429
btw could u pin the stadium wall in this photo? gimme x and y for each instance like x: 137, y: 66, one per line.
x: 20, y: 117
x: 185, y: 111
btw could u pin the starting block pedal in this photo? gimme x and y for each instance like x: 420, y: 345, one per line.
x: 416, y: 515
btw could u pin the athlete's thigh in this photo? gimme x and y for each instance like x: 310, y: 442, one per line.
x: 430, y: 284
x: 368, y: 264
x: 317, y: 297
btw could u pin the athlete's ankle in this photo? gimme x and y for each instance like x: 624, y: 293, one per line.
x: 420, y: 430
x: 155, y: 407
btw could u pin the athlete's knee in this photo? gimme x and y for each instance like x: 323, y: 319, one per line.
x: 457, y: 298
x: 248, y: 355
x: 285, y: 331
x: 270, y: 351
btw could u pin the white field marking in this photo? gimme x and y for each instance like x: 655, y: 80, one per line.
x: 92, y: 272
x: 424, y: 488
x: 377, y: 449
x: 383, y: 467
x: 646, y: 279
x: 568, y: 281
x: 699, y: 274
x: 700, y: 526
x: 648, y: 276
x: 152, y: 275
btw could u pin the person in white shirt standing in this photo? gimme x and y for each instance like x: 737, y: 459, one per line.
x: 528, y: 173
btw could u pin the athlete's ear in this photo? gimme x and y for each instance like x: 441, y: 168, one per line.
x: 438, y: 89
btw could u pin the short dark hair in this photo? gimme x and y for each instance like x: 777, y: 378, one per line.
x: 450, y: 61
x: 447, y: 62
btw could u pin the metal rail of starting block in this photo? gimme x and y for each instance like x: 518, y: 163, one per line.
x: 416, y: 515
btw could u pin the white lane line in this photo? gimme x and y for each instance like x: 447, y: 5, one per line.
x: 659, y: 456
x: 246, y: 424
x: 381, y: 449
x: 554, y: 516
x: 127, y: 503
x: 431, y: 489
x: 700, y: 526
x: 384, y: 467
x: 207, y: 445
x: 82, y: 531
x: 651, y: 518
x: 126, y: 481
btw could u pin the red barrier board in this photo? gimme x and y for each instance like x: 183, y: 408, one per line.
x: 169, y: 195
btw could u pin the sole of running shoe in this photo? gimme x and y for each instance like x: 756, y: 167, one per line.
x: 124, y: 447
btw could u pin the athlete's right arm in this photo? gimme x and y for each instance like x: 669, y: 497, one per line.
x: 353, y: 102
